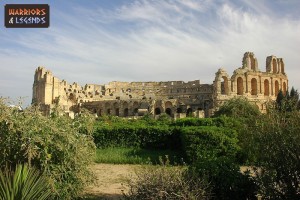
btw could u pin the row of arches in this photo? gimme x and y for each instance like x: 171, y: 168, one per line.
x: 125, y: 109
x: 267, y: 86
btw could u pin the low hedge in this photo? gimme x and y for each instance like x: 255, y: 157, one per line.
x: 135, y: 135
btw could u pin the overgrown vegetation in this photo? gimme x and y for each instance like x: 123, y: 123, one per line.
x: 164, y: 182
x: 213, y: 149
x: 58, y: 146
x: 132, y: 155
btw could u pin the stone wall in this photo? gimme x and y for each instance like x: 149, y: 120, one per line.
x: 176, y: 98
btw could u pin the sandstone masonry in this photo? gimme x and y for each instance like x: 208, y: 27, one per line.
x: 175, y: 98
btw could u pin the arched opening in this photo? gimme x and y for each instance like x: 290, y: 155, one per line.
x: 108, y: 111
x: 126, y: 112
x: 72, y: 97
x: 100, y: 112
x: 224, y: 86
x: 157, y: 111
x: 168, y: 104
x: 179, y: 110
x: 240, y: 87
x: 253, y: 86
x: 284, y: 88
x: 135, y: 111
x: 169, y: 111
x: 274, y: 63
x: 95, y: 111
x: 135, y: 107
x: 117, y: 112
x: 189, y: 112
x: 276, y: 88
x: 266, y: 88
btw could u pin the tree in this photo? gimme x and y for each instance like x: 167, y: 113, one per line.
x: 288, y: 102
x: 59, y: 147
x: 276, y: 144
x: 238, y: 108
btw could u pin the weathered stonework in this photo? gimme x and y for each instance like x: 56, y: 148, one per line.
x: 176, y: 98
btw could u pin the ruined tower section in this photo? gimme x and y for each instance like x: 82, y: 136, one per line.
x: 250, y: 62
x: 42, y: 86
x: 48, y: 91
x: 248, y: 81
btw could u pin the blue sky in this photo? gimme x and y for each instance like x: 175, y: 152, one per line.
x: 91, y: 41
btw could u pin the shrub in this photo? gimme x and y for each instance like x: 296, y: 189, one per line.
x: 134, y: 135
x: 212, y: 152
x: 58, y: 146
x: 238, y: 108
x: 276, y: 144
x: 23, y: 183
x: 164, y: 182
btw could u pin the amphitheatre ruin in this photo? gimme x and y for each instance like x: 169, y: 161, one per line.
x: 175, y: 98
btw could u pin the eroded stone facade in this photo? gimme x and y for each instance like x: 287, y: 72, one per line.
x: 175, y: 98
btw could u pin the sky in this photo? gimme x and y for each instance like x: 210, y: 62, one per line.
x: 99, y: 41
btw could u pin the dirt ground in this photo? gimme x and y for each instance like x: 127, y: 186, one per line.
x: 111, y: 180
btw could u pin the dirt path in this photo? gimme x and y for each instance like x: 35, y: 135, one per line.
x: 111, y: 180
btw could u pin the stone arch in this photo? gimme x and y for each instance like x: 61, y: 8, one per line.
x: 168, y: 104
x: 157, y: 111
x: 135, y: 107
x: 179, y: 110
x: 126, y: 112
x: 266, y: 87
x: 276, y: 88
x: 126, y: 109
x: 168, y: 108
x: 107, y: 107
x: 189, y: 112
x: 100, y: 112
x: 72, y: 97
x: 169, y: 111
x: 274, y: 63
x: 253, y: 86
x: 240, y: 86
x: 117, y: 111
x: 284, y: 88
x: 224, y: 85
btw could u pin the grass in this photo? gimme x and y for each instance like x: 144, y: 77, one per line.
x: 119, y: 155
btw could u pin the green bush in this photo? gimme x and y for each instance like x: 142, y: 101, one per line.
x: 60, y: 147
x: 23, y: 183
x: 203, y: 143
x: 211, y: 152
x: 276, y: 144
x: 238, y: 107
x: 134, y: 135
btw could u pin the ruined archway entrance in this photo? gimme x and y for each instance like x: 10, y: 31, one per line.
x: 169, y: 111
x: 253, y: 86
x: 240, y: 87
x: 266, y: 88
x: 126, y: 112
x: 157, y: 111
x: 224, y: 86
x: 189, y: 112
